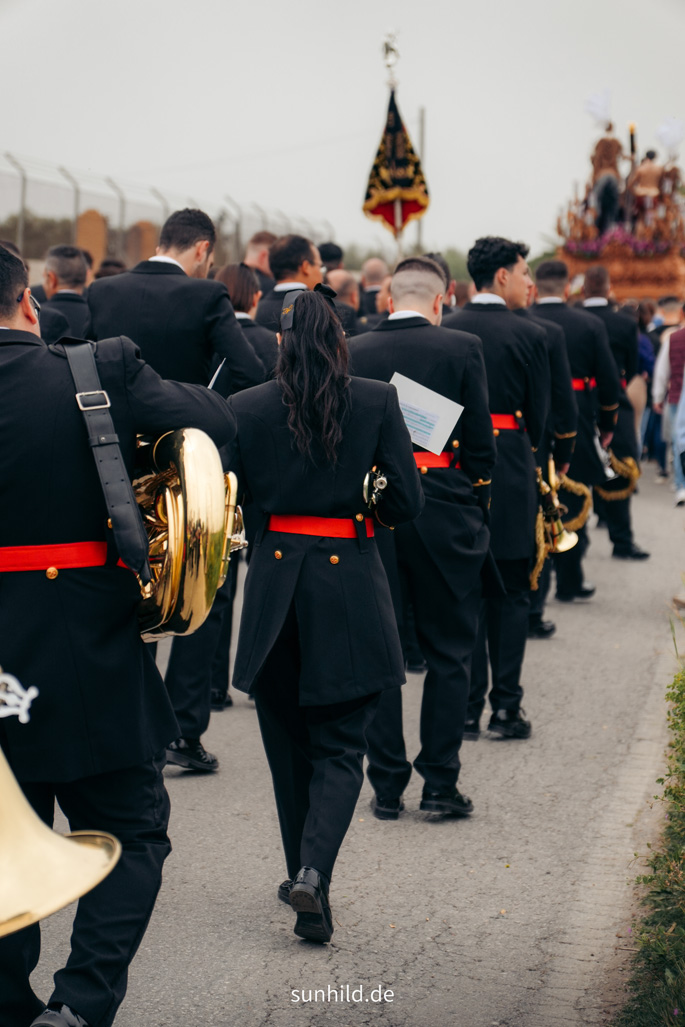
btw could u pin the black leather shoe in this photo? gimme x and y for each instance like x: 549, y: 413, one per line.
x: 386, y: 808
x: 541, y: 628
x: 415, y: 666
x: 220, y: 700
x: 191, y: 754
x: 509, y: 724
x: 451, y: 803
x: 66, y: 1017
x: 309, y: 899
x: 631, y: 552
x: 284, y: 891
x: 585, y: 591
x: 471, y: 731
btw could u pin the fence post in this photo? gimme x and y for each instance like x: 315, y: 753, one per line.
x: 77, y: 198
x: 22, y: 201
x: 166, y: 209
x: 122, y: 215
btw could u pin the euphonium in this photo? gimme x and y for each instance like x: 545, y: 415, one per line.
x: 193, y: 524
x: 559, y: 540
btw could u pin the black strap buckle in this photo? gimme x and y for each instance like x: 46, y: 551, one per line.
x: 85, y: 407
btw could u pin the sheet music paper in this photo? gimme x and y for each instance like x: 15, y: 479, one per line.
x: 429, y: 416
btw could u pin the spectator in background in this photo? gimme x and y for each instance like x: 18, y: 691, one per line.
x: 637, y: 389
x: 374, y: 270
x: 666, y: 390
x: 331, y: 256
x: 64, y: 281
x: 346, y: 300
x: 669, y: 315
x: 257, y: 257
x: 108, y: 267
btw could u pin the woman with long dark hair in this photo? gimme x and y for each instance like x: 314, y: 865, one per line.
x: 318, y: 637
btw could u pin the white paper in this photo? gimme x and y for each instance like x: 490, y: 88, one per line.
x: 429, y: 416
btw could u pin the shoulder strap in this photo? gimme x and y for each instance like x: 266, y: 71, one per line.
x: 93, y: 402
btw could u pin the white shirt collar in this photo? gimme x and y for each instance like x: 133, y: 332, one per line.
x: 488, y: 297
x: 400, y: 314
x: 596, y: 301
x: 288, y: 286
x: 241, y: 315
x: 550, y: 299
x: 162, y: 259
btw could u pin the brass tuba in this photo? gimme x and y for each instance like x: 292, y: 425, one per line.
x: 193, y: 524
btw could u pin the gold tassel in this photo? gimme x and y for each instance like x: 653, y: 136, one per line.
x: 542, y: 550
x: 577, y: 488
x: 625, y: 469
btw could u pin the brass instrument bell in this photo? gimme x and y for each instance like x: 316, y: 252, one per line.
x: 42, y: 871
x: 559, y: 539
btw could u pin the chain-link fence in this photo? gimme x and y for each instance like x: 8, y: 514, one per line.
x: 42, y: 204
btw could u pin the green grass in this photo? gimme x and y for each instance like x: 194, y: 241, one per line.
x: 657, y: 984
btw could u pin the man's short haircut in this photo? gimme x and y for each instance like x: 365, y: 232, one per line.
x: 346, y: 286
x: 331, y: 255
x: 489, y: 254
x: 263, y: 238
x: 651, y: 155
x: 88, y: 257
x: 417, y: 276
x: 596, y: 280
x: 553, y: 271
x: 242, y: 284
x: 68, y: 264
x: 13, y: 280
x: 438, y: 259
x: 11, y: 246
x: 186, y: 228
x: 109, y: 267
x: 374, y: 270
x: 287, y: 254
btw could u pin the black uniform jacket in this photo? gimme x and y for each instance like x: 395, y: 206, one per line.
x: 452, y: 525
x: 178, y: 322
x: 623, y: 342
x: 589, y: 357
x: 562, y: 424
x: 72, y: 306
x: 263, y: 342
x: 270, y: 307
x: 102, y: 703
x: 53, y: 325
x: 348, y: 633
x: 517, y: 366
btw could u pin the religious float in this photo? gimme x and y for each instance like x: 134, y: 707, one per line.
x: 630, y: 216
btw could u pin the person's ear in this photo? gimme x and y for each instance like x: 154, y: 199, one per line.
x: 501, y: 276
x: 391, y: 305
x: 27, y: 307
x: 437, y: 304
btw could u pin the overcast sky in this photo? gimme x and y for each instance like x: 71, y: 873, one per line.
x: 282, y: 104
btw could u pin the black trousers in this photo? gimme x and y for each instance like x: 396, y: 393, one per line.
x: 446, y: 630
x: 538, y: 598
x: 316, y: 756
x: 502, y: 634
x: 220, y: 664
x: 188, y: 678
x: 568, y: 566
x: 111, y: 919
x: 616, y: 512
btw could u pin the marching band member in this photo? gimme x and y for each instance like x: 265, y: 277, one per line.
x: 68, y: 625
x: 439, y: 556
x: 517, y: 366
x: 318, y: 639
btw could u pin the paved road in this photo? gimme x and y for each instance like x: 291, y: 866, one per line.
x: 509, y: 918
